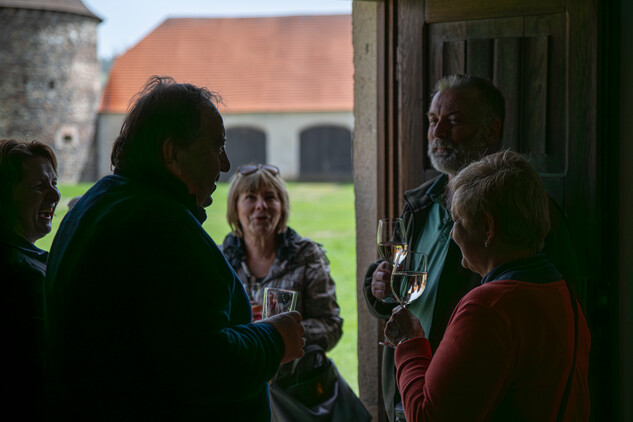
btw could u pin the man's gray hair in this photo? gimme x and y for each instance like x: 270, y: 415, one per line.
x: 493, y: 104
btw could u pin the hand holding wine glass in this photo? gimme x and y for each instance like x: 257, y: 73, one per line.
x: 279, y: 305
x: 391, y: 239
x: 402, y: 325
x: 408, y: 281
x: 277, y: 301
x: 289, y: 326
x: 381, y: 283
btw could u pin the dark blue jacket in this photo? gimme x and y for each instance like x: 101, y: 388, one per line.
x: 145, y: 318
x: 22, y: 271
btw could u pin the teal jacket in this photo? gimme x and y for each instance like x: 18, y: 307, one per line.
x: 145, y: 319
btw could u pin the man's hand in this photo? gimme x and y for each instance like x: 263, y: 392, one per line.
x: 402, y: 325
x: 381, y: 281
x: 289, y: 326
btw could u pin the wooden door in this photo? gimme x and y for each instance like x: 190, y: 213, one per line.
x: 325, y: 154
x: 542, y: 54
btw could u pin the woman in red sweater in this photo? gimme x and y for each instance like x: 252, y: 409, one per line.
x: 516, y: 347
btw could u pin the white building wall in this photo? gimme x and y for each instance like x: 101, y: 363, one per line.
x: 108, y: 128
x: 282, y: 130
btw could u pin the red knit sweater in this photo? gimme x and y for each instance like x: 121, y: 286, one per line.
x: 506, y: 356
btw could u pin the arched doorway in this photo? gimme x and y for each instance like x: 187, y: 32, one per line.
x: 326, y: 154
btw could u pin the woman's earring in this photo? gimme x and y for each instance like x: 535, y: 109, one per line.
x: 485, y: 243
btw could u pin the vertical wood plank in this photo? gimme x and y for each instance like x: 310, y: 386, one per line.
x: 411, y: 113
x: 534, y: 119
x: 392, y: 146
x: 435, y: 66
x: 479, y: 57
x: 507, y: 75
x: 454, y: 57
x: 583, y: 192
x: 557, y: 138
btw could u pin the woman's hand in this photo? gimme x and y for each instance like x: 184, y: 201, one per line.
x: 381, y: 281
x: 256, y: 309
x: 402, y: 325
x: 289, y: 326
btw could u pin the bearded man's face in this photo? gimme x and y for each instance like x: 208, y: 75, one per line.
x: 457, y: 135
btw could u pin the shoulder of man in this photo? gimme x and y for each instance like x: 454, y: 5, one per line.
x: 417, y: 198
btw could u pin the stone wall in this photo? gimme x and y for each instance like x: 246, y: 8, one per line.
x: 49, y: 83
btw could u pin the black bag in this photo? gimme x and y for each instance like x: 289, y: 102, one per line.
x: 319, y: 394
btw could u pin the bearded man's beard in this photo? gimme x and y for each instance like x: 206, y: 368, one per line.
x: 455, y: 157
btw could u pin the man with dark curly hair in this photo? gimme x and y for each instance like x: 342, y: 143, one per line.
x: 145, y: 318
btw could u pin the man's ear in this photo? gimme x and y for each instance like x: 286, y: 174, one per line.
x: 494, y: 132
x: 171, y: 156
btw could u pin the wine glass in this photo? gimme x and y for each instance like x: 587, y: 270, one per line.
x: 408, y: 278
x: 391, y: 239
x: 277, y: 301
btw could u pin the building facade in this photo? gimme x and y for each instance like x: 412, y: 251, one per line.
x: 286, y: 85
x: 49, y: 79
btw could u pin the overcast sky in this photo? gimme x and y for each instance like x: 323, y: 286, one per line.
x: 126, y: 22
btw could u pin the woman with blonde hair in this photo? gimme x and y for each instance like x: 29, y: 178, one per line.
x: 516, y: 347
x: 265, y: 252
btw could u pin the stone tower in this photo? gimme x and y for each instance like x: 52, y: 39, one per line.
x: 50, y: 78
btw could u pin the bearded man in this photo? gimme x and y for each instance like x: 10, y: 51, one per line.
x: 465, y: 123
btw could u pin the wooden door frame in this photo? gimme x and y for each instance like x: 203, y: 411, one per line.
x: 625, y: 177
x: 607, y: 152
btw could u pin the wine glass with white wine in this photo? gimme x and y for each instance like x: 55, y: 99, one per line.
x: 408, y: 278
x: 391, y: 239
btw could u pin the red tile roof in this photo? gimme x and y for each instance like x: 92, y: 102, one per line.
x: 268, y: 64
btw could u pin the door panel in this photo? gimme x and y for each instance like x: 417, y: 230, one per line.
x: 523, y: 57
x: 543, y: 56
x: 442, y: 10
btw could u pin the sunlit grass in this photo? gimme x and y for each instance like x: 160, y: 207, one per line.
x: 323, y: 212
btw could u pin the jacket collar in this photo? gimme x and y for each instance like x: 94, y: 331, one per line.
x: 11, y: 239
x: 287, y: 245
x: 535, y: 269
x: 420, y: 197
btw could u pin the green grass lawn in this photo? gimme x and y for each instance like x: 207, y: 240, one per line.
x: 323, y: 212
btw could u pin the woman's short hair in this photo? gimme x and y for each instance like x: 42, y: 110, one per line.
x: 162, y: 110
x: 254, y: 182
x: 505, y: 185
